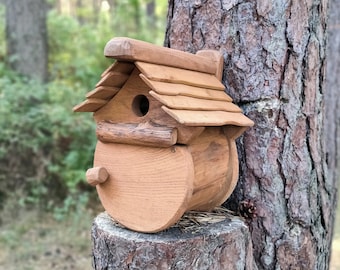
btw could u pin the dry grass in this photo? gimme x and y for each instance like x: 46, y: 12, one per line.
x: 37, y: 242
x: 192, y: 220
x: 29, y: 240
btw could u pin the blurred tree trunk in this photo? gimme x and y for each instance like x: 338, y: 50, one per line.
x: 136, y: 14
x: 113, y: 12
x: 96, y: 5
x: 26, y: 36
x: 112, y: 4
x: 80, y: 12
x: 58, y: 6
x: 332, y: 97
x: 274, y: 69
x: 151, y: 16
x: 332, y: 100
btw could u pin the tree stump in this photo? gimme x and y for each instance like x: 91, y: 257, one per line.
x: 223, y: 244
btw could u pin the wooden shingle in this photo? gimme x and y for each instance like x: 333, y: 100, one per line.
x: 188, y: 91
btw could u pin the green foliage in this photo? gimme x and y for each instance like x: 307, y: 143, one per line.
x: 129, y: 18
x: 76, y: 51
x: 45, y: 148
x: 75, y: 204
x: 35, y: 240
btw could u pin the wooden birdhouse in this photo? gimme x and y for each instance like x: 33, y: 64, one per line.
x: 166, y: 134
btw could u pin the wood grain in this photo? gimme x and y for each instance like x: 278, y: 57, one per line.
x: 89, y: 105
x: 113, y: 79
x: 217, y: 57
x: 175, y: 89
x: 180, y: 76
x: 135, y: 50
x: 96, y: 175
x: 157, y: 177
x: 136, y: 134
x: 211, y: 154
x: 119, y: 110
x: 195, y: 104
x: 159, y: 180
x: 103, y: 92
x: 120, y: 67
x: 208, y: 118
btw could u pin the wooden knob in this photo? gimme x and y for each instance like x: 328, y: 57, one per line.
x: 96, y: 175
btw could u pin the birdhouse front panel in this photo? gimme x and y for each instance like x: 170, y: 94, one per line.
x: 166, y: 134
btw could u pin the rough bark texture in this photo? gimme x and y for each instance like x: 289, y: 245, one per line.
x: 332, y: 97
x: 223, y: 245
x: 274, y: 54
x: 26, y: 35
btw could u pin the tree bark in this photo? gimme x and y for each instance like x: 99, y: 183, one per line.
x: 223, y: 245
x: 26, y: 35
x: 275, y: 55
x: 332, y: 98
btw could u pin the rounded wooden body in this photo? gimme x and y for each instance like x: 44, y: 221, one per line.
x: 149, y: 188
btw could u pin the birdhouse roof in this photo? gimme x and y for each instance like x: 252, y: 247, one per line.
x: 187, y: 85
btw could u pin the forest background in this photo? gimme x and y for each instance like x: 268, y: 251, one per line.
x: 45, y: 203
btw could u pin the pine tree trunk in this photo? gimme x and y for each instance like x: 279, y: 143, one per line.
x: 26, y: 35
x: 274, y: 55
x: 332, y: 103
x: 332, y: 97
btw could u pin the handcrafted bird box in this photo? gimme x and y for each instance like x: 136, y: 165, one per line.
x: 166, y: 134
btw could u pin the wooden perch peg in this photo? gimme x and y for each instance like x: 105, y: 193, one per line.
x: 96, y: 175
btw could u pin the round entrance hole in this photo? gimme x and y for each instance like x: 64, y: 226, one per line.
x: 140, y: 105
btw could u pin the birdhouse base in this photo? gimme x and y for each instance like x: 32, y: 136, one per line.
x: 225, y: 244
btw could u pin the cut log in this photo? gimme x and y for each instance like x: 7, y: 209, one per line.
x: 142, y: 134
x: 225, y: 244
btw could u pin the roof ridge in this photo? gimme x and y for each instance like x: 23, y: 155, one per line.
x: 131, y: 50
